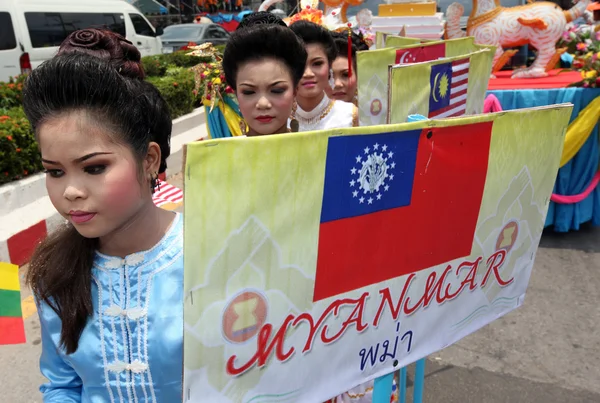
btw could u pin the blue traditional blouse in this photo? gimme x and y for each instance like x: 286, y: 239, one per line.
x: 131, y: 350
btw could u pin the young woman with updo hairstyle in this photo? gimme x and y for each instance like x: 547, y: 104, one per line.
x: 345, y: 84
x: 263, y: 63
x: 121, y: 54
x: 314, y: 110
x: 108, y: 283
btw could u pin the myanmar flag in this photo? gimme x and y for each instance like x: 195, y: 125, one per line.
x: 302, y: 246
x: 399, y: 202
x: 12, y: 330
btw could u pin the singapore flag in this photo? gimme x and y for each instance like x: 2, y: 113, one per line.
x: 423, y: 53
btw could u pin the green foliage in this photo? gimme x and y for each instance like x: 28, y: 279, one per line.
x: 177, y: 88
x: 11, y: 93
x: 157, y: 65
x: 220, y: 48
x: 181, y: 59
x: 19, y: 154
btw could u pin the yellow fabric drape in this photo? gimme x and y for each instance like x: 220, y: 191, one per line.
x: 207, y: 111
x: 233, y: 119
x: 579, y: 130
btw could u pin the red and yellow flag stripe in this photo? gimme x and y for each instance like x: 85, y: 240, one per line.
x: 12, y: 329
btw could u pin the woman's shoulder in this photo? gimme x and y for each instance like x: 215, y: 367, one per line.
x: 345, y: 111
x: 343, y: 106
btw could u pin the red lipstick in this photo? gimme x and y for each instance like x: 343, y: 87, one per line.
x: 80, y: 217
x: 264, y: 119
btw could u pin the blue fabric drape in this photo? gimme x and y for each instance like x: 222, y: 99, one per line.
x: 217, y: 125
x: 219, y: 18
x: 575, y: 176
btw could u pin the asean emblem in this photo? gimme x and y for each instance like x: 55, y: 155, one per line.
x: 508, y: 236
x: 376, y: 107
x: 243, y: 316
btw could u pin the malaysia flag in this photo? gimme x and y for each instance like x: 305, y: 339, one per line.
x: 396, y: 203
x: 449, y: 83
x: 420, y: 54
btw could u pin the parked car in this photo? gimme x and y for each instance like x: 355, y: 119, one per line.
x: 177, y: 36
x: 32, y: 30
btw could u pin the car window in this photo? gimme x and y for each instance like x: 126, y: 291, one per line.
x: 221, y: 33
x: 50, y: 29
x: 187, y: 32
x: 210, y: 33
x: 216, y: 33
x: 141, y: 25
x: 7, y: 33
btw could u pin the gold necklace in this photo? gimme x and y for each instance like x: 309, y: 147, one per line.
x: 311, y: 121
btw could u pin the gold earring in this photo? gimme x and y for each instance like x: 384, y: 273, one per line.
x: 243, y: 127
x: 154, y: 182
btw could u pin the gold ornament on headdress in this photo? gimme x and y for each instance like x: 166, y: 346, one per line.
x: 205, y: 50
x: 208, y: 75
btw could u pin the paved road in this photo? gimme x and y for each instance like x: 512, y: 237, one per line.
x: 548, y: 351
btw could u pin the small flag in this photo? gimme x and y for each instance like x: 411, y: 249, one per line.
x: 448, y: 95
x: 12, y: 329
x: 167, y: 194
x: 396, y: 203
x: 421, y: 53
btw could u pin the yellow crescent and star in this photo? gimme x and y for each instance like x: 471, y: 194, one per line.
x: 441, y: 85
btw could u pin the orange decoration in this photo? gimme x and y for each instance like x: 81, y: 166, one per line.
x: 308, y: 14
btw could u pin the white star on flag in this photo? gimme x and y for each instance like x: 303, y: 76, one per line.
x: 372, y: 192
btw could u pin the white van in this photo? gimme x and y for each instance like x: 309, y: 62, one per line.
x: 32, y: 30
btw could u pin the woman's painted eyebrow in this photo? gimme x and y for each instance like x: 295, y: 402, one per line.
x: 78, y: 160
x: 270, y: 85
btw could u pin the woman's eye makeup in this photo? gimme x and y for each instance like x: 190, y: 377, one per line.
x: 54, y: 173
x: 95, y: 169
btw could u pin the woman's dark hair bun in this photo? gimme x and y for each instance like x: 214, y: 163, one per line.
x: 108, y: 46
x: 259, y: 18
